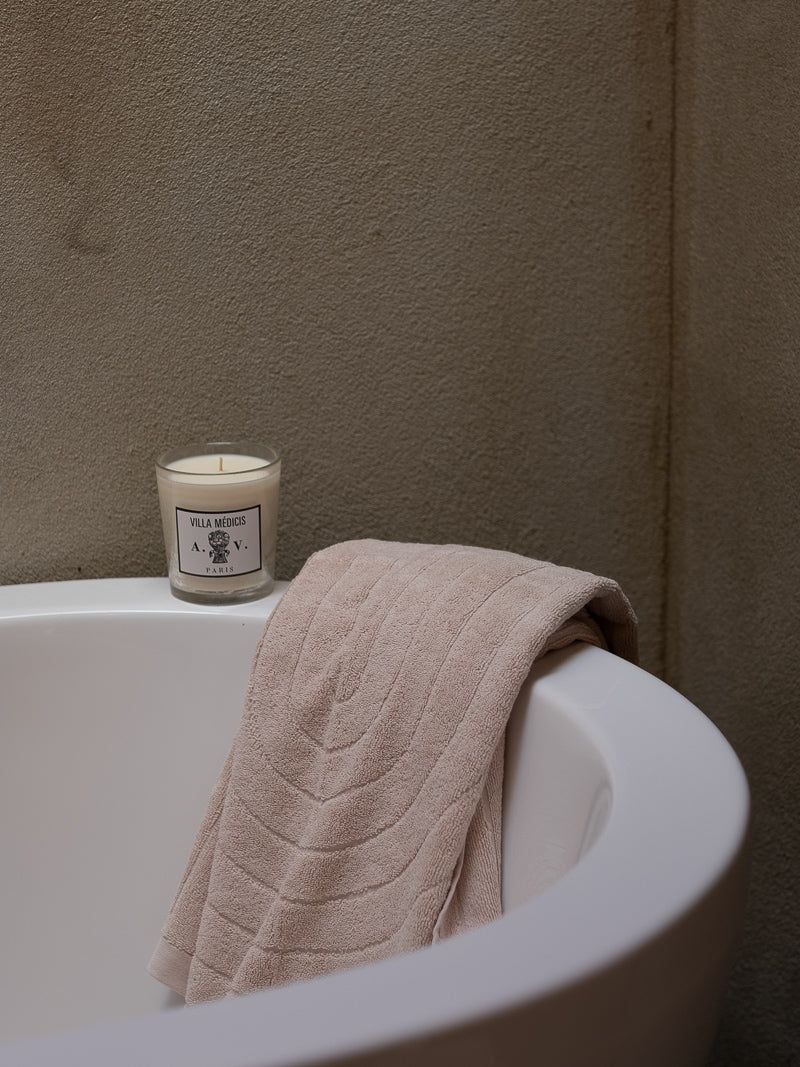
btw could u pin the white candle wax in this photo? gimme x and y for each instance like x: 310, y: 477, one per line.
x: 219, y: 510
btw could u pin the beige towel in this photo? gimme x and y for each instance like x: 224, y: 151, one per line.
x: 358, y: 813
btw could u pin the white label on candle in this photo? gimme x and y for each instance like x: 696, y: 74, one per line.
x: 217, y: 544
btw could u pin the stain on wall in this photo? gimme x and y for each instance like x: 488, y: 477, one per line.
x: 423, y: 249
x: 734, y: 568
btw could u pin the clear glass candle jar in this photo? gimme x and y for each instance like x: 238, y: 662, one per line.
x: 219, y: 508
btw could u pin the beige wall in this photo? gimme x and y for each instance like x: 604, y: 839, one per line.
x: 426, y: 251
x: 422, y: 248
x: 734, y: 620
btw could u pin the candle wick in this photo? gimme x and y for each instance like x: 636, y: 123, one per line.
x: 220, y: 463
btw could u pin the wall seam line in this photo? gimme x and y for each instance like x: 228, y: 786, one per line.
x: 667, y: 512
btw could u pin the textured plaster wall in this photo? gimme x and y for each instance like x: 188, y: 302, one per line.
x: 734, y: 619
x: 423, y: 248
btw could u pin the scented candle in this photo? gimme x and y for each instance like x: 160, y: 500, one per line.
x: 219, y: 509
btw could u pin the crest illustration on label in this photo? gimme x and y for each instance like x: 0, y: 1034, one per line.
x: 218, y: 544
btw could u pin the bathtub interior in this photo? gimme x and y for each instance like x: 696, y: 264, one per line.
x: 112, y: 730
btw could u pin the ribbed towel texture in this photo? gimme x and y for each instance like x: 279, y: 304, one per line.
x: 359, y: 811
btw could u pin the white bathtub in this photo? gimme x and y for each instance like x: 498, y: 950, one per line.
x: 625, y: 827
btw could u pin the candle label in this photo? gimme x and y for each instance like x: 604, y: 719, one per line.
x: 218, y: 544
